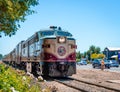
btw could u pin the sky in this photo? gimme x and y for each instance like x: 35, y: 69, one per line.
x: 92, y: 22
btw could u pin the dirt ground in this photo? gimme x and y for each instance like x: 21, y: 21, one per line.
x: 95, y: 76
x: 98, y: 75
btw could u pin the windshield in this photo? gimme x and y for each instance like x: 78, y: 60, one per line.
x: 53, y: 33
x: 62, y: 33
x: 47, y: 33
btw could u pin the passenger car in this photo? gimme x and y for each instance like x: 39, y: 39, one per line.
x: 114, y: 63
x: 82, y: 62
x: 97, y: 63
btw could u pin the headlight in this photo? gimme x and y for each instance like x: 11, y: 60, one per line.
x: 61, y: 39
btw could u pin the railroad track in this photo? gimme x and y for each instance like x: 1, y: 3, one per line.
x: 74, y: 87
x: 85, y: 86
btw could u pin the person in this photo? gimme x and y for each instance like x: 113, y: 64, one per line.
x: 102, y: 64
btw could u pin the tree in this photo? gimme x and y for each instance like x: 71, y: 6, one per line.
x: 100, y: 56
x: 97, y: 56
x: 97, y: 50
x: 78, y: 55
x: 93, y: 50
x: 85, y: 54
x: 88, y: 54
x: 94, y: 56
x: 1, y: 56
x: 12, y: 12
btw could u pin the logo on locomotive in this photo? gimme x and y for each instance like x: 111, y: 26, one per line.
x: 61, y: 51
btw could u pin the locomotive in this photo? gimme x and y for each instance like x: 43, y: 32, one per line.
x: 50, y: 52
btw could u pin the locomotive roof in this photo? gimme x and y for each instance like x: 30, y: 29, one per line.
x: 50, y: 33
x: 54, y: 33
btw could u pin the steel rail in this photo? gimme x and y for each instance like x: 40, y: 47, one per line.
x: 77, y: 88
x: 98, y: 85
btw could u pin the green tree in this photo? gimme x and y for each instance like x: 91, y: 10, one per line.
x: 1, y: 56
x: 85, y: 54
x: 97, y: 50
x: 78, y: 55
x: 93, y: 50
x: 88, y: 54
x: 12, y: 12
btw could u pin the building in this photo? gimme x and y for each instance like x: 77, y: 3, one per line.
x: 111, y: 52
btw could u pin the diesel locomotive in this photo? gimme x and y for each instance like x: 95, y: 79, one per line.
x: 50, y: 52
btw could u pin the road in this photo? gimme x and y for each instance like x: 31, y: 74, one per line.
x: 89, y: 66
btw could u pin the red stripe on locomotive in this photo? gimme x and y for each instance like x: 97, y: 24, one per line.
x: 48, y: 57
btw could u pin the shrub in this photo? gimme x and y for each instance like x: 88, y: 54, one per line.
x: 10, y: 80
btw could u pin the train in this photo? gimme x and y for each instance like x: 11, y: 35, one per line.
x: 49, y: 52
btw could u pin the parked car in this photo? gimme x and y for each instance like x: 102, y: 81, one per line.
x: 82, y: 62
x: 114, y: 63
x: 97, y: 63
